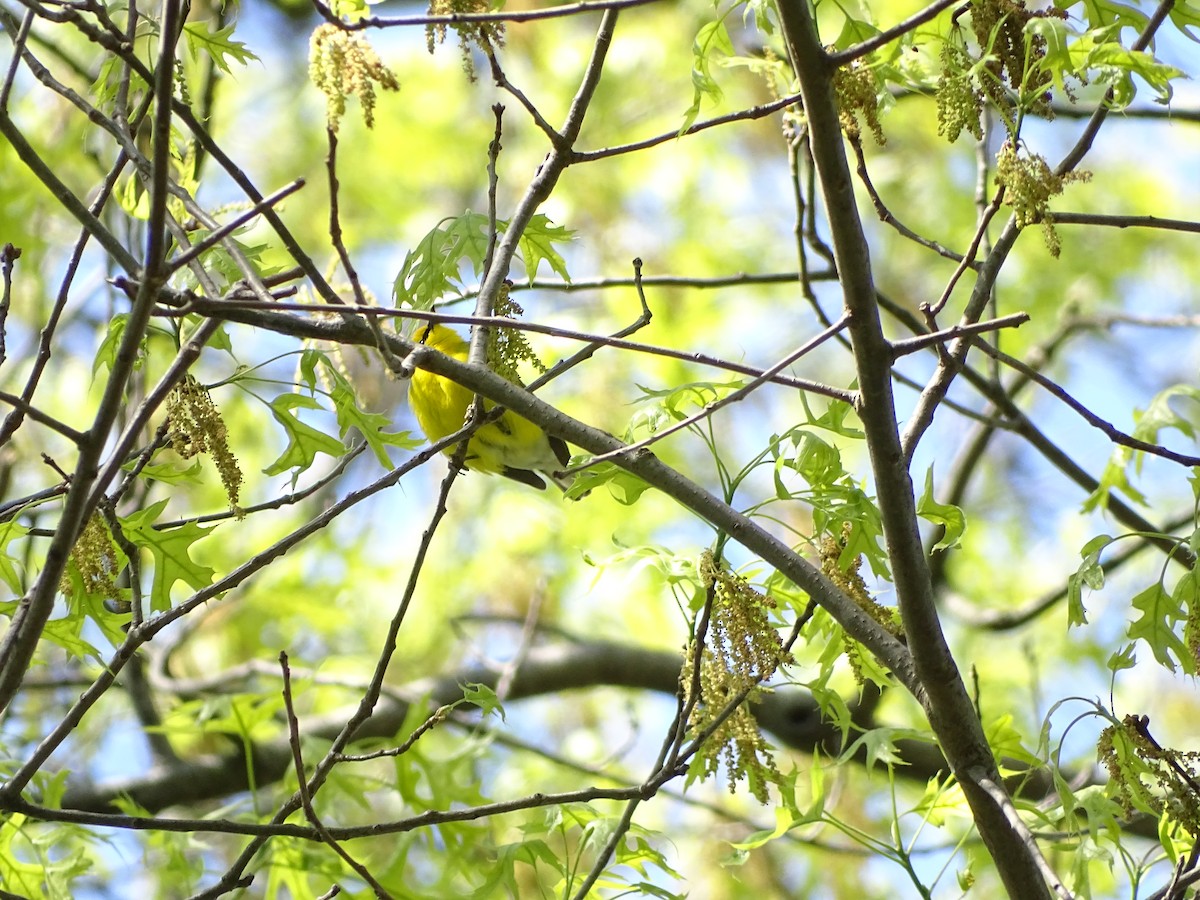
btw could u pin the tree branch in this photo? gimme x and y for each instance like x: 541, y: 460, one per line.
x: 939, y: 688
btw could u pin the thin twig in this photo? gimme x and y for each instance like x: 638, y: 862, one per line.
x: 302, y: 785
x: 528, y: 15
x: 8, y: 260
x: 1110, y: 431
x: 587, y: 352
x: 10, y: 77
x: 335, y: 238
x: 224, y: 231
x: 886, y: 215
x: 335, y: 219
x: 542, y: 185
x: 1020, y: 424
x: 751, y: 113
x: 227, y: 309
x: 885, y: 37
x: 504, y: 84
x: 371, y: 697
x: 18, y: 403
x: 493, y: 157
x: 921, y: 342
x: 967, y: 261
x: 434, y: 719
x: 1071, y: 218
x: 711, y: 408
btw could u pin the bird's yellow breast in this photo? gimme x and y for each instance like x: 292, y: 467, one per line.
x: 440, y: 405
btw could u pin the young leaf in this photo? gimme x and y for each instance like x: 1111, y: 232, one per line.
x: 1160, y: 614
x: 950, y: 517
x: 217, y: 44
x: 304, y: 441
x: 171, y: 550
x: 369, y: 425
x: 106, y: 354
x: 712, y: 40
x: 11, y: 567
x: 537, y: 244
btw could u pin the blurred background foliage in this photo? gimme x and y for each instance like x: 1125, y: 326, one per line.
x: 715, y: 204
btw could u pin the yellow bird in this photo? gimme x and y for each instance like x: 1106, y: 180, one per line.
x: 511, y: 446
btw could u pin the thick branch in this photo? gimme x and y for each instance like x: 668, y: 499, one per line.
x: 941, y: 689
x: 35, y: 608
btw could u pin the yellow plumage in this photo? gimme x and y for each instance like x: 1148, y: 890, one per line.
x: 511, y: 446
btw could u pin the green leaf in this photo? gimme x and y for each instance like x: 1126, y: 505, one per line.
x: 219, y: 340
x: 352, y: 10
x: 369, y: 425
x: 67, y: 633
x: 712, y: 41
x: 109, y: 78
x: 304, y: 441
x: 484, y: 697
x: 1076, y: 611
x: 247, y: 716
x: 844, y: 503
x: 171, y: 551
x: 11, y: 567
x: 625, y: 487
x: 537, y: 244
x: 679, y: 401
x: 1103, y: 14
x: 1090, y: 574
x: 1125, y: 658
x: 880, y: 745
x: 170, y: 473
x: 1099, y: 57
x: 218, y: 261
x: 1159, y: 415
x: 950, y: 517
x: 106, y: 354
x: 1125, y: 63
x: 1185, y: 16
x: 965, y: 878
x: 855, y: 31
x: 430, y: 269
x: 1005, y: 741
x: 940, y: 802
x: 783, y: 824
x: 1093, y: 547
x: 217, y: 44
x: 1113, y: 477
x: 92, y: 605
x: 40, y: 860
x: 818, y: 462
x: 834, y: 418
x: 1160, y: 614
x: 433, y: 267
x: 834, y: 708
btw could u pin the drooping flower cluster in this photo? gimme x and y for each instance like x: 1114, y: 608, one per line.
x: 195, y: 426
x: 341, y: 63
x: 741, y: 651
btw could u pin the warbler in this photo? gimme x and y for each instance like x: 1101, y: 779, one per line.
x: 511, y: 446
